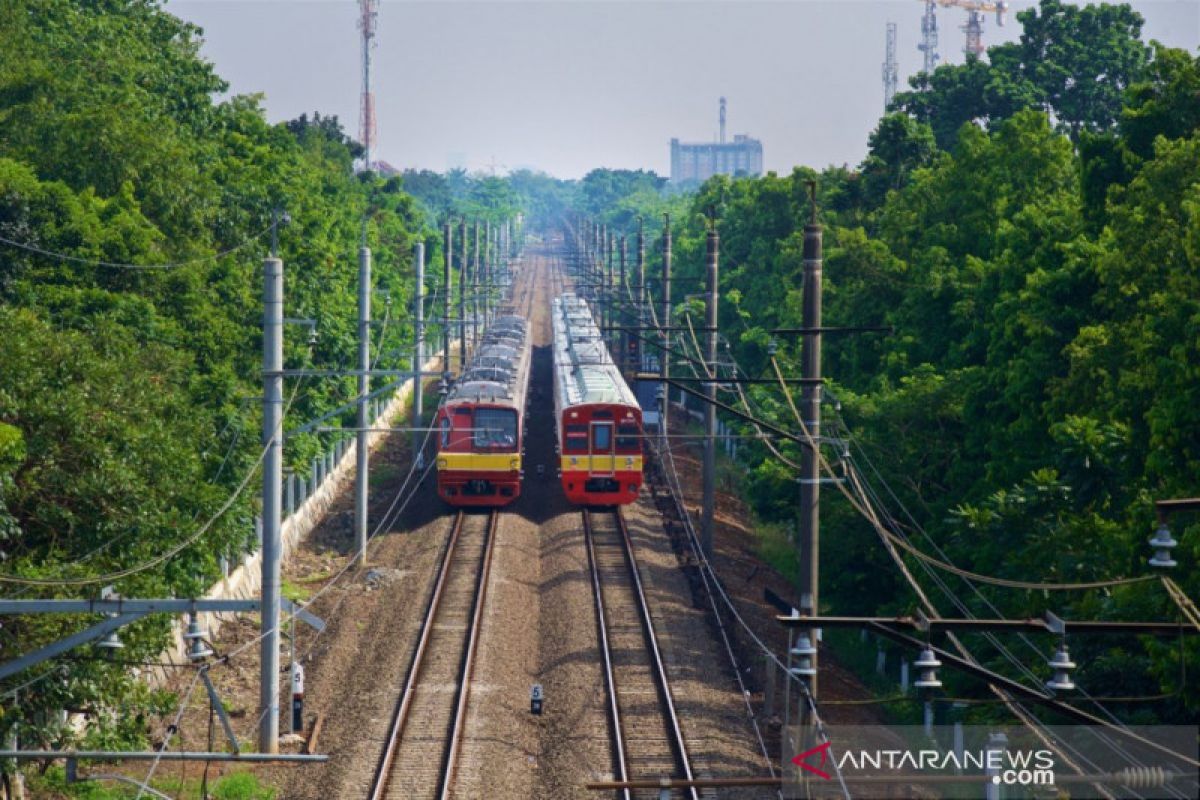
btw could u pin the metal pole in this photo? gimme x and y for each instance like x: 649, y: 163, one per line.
x: 810, y: 409
x: 418, y: 350
x: 665, y: 322
x: 447, y: 257
x: 710, y: 391
x: 641, y: 279
x: 475, y: 290
x: 268, y: 732
x: 462, y: 298
x: 364, y: 389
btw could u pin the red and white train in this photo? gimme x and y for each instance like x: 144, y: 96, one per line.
x: 480, y: 426
x: 597, y: 418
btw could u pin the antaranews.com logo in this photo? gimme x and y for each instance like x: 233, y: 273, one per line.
x: 993, y: 762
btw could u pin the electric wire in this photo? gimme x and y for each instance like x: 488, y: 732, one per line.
x: 118, y: 265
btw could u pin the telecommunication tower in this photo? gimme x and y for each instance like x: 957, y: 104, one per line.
x: 890, y: 72
x: 368, y: 15
x: 929, y: 38
x: 722, y: 120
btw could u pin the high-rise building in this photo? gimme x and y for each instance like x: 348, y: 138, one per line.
x: 699, y: 161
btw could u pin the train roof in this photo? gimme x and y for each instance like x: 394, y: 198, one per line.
x: 497, y: 371
x: 584, y: 369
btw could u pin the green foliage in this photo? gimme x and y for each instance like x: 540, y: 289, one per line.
x: 1041, y: 387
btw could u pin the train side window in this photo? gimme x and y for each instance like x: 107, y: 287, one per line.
x: 628, y: 438
x: 445, y: 431
x: 577, y: 441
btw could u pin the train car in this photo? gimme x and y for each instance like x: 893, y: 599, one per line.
x: 598, y: 421
x: 480, y: 425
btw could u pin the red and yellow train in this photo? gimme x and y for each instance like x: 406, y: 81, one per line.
x: 597, y: 417
x: 480, y: 426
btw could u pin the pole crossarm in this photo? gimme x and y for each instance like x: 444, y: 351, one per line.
x: 1021, y: 690
x: 125, y: 606
x: 771, y: 381
x: 1048, y: 624
x: 121, y: 612
x: 889, y: 329
x: 63, y: 645
x: 157, y: 755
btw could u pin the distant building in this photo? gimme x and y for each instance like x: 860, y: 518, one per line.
x: 699, y: 161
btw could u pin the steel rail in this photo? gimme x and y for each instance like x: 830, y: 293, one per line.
x: 468, y: 666
x: 379, y: 784
x: 610, y: 683
x: 662, y: 683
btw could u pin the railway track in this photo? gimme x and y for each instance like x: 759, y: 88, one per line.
x: 421, y: 751
x: 647, y: 741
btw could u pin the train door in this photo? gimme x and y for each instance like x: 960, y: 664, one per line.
x: 603, y: 459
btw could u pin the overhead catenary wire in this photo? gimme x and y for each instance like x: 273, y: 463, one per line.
x: 174, y: 550
x: 119, y: 265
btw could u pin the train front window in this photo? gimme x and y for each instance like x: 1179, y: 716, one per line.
x: 445, y: 432
x: 577, y: 439
x: 628, y: 440
x: 495, y: 428
x: 602, y: 437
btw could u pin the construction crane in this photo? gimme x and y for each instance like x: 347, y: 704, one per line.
x: 973, y: 28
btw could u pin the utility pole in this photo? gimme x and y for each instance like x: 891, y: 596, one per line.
x: 418, y: 353
x: 635, y: 342
x: 810, y: 410
x: 489, y: 271
x: 447, y: 257
x: 710, y: 391
x: 364, y: 389
x: 665, y: 322
x: 272, y: 487
x: 462, y: 298
x: 618, y: 318
x: 475, y: 290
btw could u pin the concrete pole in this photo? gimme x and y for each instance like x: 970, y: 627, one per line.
x: 489, y: 250
x: 418, y: 349
x: 665, y: 322
x: 447, y: 257
x: 462, y: 298
x: 710, y: 391
x: 619, y: 319
x: 362, y: 475
x: 810, y: 410
x: 272, y: 434
x: 641, y: 280
x: 475, y: 290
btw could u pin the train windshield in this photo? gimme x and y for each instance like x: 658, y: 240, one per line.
x: 495, y: 428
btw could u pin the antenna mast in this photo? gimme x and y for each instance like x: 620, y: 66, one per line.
x: 368, y: 14
x: 890, y: 70
x: 929, y: 38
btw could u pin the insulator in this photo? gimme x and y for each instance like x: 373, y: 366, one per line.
x: 803, y: 651
x: 111, y: 642
x: 928, y: 664
x: 197, y: 649
x: 1062, y: 665
x: 1163, y: 544
x: 1141, y: 777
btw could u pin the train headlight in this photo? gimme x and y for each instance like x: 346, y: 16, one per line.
x: 629, y: 461
x: 514, y: 464
x: 441, y: 462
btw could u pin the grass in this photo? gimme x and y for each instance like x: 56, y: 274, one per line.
x: 297, y: 594
x: 53, y: 786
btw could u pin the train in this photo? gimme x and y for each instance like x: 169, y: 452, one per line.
x: 598, y: 422
x: 480, y: 425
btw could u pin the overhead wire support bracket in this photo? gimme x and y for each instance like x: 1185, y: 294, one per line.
x: 888, y: 329
x: 1047, y: 624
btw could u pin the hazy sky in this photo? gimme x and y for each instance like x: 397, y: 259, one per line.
x: 568, y: 85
